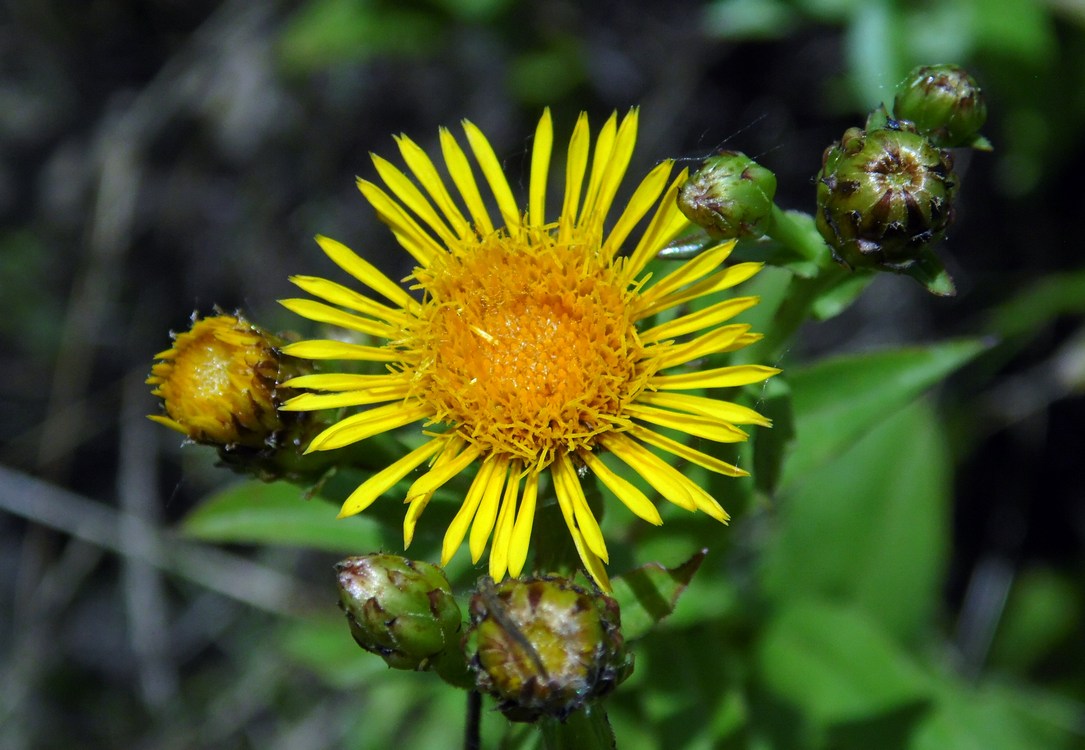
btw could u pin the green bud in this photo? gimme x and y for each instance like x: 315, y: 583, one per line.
x: 545, y: 646
x: 884, y: 197
x: 945, y: 103
x: 402, y: 610
x: 730, y: 196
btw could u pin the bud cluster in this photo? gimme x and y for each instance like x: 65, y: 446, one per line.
x: 545, y: 646
x: 403, y: 611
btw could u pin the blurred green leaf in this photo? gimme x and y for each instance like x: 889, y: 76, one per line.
x: 325, y: 647
x: 540, y: 77
x: 649, y: 593
x: 835, y: 665
x: 1043, y: 610
x: 870, y: 527
x: 836, y: 401
x: 998, y: 718
x: 1035, y: 307
x: 748, y: 19
x: 279, y: 513
x: 1020, y: 29
x: 473, y: 10
x: 770, y: 446
x: 322, y: 33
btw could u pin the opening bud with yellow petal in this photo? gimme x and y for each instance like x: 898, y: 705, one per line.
x: 545, y: 647
x: 403, y: 611
x: 730, y: 196
x: 219, y: 383
x: 945, y: 103
x: 884, y: 196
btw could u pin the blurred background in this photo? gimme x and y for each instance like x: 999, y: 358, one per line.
x: 162, y: 157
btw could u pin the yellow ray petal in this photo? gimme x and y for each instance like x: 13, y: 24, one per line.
x: 412, y: 197
x: 464, y: 179
x: 692, y: 270
x: 318, y: 401
x: 667, y: 222
x: 649, y: 304
x: 367, y: 424
x: 726, y: 411
x: 619, y: 162
x: 604, y: 147
x: 419, y: 163
x: 644, y: 197
x: 692, y: 424
x: 659, y: 474
x: 574, y: 505
x: 662, y: 475
x: 699, y: 320
x: 340, y: 295
x: 495, y: 176
x: 630, y: 496
x: 499, y: 550
x: 329, y: 349
x: 322, y: 313
x: 720, y: 377
x: 443, y: 471
x: 415, y: 240
x: 410, y: 518
x: 453, y: 446
x: 713, y: 342
x: 540, y: 170
x: 378, y: 484
x: 487, y: 509
x: 336, y: 381
x: 592, y: 563
x: 458, y: 528
x: 521, y: 530
x: 575, y: 165
x: 365, y: 272
x: 684, y: 451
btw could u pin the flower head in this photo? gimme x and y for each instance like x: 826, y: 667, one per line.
x: 529, y: 350
x: 218, y: 383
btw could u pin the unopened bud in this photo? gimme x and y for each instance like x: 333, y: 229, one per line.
x: 545, y: 646
x: 403, y: 611
x: 945, y: 103
x: 884, y: 197
x: 730, y: 196
x: 219, y: 383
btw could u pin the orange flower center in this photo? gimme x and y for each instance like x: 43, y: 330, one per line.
x: 527, y: 350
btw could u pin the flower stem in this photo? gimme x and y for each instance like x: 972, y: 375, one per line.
x: 586, y: 729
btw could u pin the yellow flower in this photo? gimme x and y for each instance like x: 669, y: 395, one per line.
x: 218, y: 383
x: 528, y: 350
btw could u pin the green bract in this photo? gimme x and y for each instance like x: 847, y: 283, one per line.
x: 944, y: 102
x: 730, y: 196
x: 884, y: 197
x: 400, y: 609
x: 545, y: 646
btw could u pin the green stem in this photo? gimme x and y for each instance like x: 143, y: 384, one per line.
x: 797, y: 232
x: 586, y: 729
x: 795, y: 310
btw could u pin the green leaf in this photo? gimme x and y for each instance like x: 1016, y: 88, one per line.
x: 838, y: 400
x: 993, y: 717
x: 649, y: 593
x: 834, y: 665
x: 1031, y: 310
x: 279, y: 513
x: 1043, y: 612
x: 870, y: 527
x: 322, y: 33
x: 770, y: 446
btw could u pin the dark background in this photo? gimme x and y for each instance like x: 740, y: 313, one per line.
x: 164, y: 157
